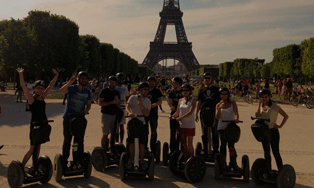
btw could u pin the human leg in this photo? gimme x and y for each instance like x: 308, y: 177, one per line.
x: 67, y: 140
x: 174, y: 124
x: 275, y: 138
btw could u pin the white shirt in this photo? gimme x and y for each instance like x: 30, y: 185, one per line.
x: 30, y: 88
x: 123, y: 93
x: 136, y: 109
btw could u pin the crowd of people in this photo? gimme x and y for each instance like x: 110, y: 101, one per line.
x: 212, y: 106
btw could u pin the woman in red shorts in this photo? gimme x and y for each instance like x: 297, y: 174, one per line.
x: 185, y: 115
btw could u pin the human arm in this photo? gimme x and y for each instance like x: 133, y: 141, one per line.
x: 236, y: 111
x: 285, y: 118
x: 176, y: 114
x: 258, y: 112
x: 64, y: 89
x: 159, y: 102
x: 146, y: 110
x: 51, y: 84
x: 28, y: 96
x: 218, y: 110
x: 198, y: 104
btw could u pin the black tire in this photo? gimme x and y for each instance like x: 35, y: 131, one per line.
x: 310, y: 103
x: 119, y: 149
x: 294, y: 101
x: 158, y: 151
x: 217, y: 167
x: 195, y: 169
x: 257, y: 170
x: 122, y: 165
x: 165, y: 154
x: 198, y: 149
x: 173, y: 162
x: 246, y: 168
x: 87, y: 164
x: 15, y: 174
x: 45, y: 165
x: 58, y: 167
x: 99, y: 158
x: 151, y: 167
x: 286, y: 177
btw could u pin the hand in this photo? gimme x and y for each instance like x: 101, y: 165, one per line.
x: 236, y: 121
x: 132, y: 115
x: 260, y: 101
x: 85, y: 112
x: 20, y: 70
x: 178, y: 118
x: 277, y: 126
x: 72, y: 79
x: 54, y: 71
x: 173, y: 108
x: 196, y: 118
x: 115, y: 101
x: 154, y: 105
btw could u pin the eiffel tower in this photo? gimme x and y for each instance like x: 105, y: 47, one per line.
x: 180, y: 50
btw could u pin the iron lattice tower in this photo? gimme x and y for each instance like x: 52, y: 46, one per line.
x: 180, y: 50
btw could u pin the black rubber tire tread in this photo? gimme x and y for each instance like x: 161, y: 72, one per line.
x: 15, y: 174
x: 293, y: 102
x: 151, y: 167
x: 310, y: 103
x: 173, y: 162
x: 195, y: 169
x: 257, y: 170
x: 165, y: 154
x: 87, y: 164
x: 58, y: 167
x: 99, y: 158
x: 45, y: 165
x: 122, y: 165
x: 217, y: 167
x: 246, y: 168
x: 158, y: 151
x: 286, y: 177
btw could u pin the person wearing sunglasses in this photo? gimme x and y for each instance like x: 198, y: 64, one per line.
x: 207, y: 99
x: 185, y: 115
x: 226, y: 110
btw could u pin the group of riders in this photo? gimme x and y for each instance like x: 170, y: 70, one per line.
x: 211, y: 107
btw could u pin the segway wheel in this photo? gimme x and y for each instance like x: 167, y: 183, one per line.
x: 120, y: 148
x: 246, y: 168
x: 173, y: 159
x: 286, y: 177
x: 87, y: 164
x: 122, y: 165
x: 257, y: 170
x: 158, y: 151
x: 151, y: 167
x: 15, y: 174
x: 58, y: 167
x: 99, y: 158
x: 195, y: 169
x: 45, y: 166
x: 165, y: 153
x: 198, y: 149
x: 217, y: 166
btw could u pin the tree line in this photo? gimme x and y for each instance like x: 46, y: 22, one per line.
x: 42, y: 41
x: 295, y: 61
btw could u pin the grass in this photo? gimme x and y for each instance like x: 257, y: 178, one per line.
x: 56, y: 96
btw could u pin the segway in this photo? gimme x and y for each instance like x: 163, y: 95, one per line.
x: 156, y: 153
x: 283, y: 178
x: 41, y: 169
x: 165, y: 152
x: 78, y: 166
x: 194, y: 169
x: 232, y: 134
x: 101, y: 158
x: 206, y: 151
x: 136, y: 129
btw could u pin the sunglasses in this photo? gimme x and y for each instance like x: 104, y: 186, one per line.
x: 207, y: 78
x: 146, y: 89
x: 224, y: 94
x: 185, y: 90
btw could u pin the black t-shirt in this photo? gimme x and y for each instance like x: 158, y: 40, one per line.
x: 109, y: 96
x: 209, y: 97
x: 153, y: 96
x: 288, y: 84
x: 175, y: 96
x: 38, y: 109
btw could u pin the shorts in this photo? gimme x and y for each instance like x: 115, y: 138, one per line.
x: 108, y: 123
x: 188, y: 131
x: 143, y: 136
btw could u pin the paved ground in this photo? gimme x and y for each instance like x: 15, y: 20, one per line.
x: 296, y: 146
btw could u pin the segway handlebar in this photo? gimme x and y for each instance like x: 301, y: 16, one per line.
x: 78, y: 114
x: 136, y: 116
x: 39, y: 122
x: 231, y: 121
x: 252, y: 118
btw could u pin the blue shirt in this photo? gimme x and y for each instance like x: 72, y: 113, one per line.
x: 77, y: 101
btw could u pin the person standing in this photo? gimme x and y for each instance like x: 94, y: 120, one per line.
x: 124, y: 96
x: 38, y: 110
x: 289, y: 87
x: 207, y: 99
x: 110, y: 103
x: 175, y: 95
x: 79, y: 101
x: 155, y: 96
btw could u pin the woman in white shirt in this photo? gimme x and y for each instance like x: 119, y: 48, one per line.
x: 226, y: 110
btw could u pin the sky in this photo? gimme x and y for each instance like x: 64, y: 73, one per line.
x: 220, y: 30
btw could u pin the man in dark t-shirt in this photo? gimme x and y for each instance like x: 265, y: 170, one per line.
x: 110, y: 103
x: 155, y: 96
x: 208, y: 97
x: 288, y: 84
x: 174, y: 96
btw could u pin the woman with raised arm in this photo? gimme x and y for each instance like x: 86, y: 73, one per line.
x: 37, y: 106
